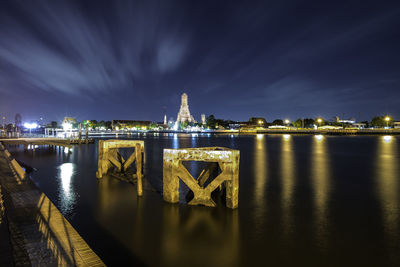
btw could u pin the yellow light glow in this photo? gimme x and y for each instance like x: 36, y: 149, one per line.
x: 261, y: 175
x: 321, y: 187
x: 288, y: 182
x: 319, y: 137
x: 319, y: 120
x: 387, y: 138
x: 387, y: 181
x: 287, y: 121
x: 260, y: 122
x: 387, y: 118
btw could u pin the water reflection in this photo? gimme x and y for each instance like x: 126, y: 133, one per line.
x: 208, y: 238
x: 67, y: 194
x: 387, y: 176
x: 288, y: 180
x: 157, y: 234
x: 261, y: 177
x: 387, y: 138
x: 319, y: 137
x: 164, y: 234
x: 321, y: 185
x: 194, y: 140
x: 175, y: 141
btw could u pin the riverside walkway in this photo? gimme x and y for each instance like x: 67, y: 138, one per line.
x: 33, y: 231
x: 46, y: 141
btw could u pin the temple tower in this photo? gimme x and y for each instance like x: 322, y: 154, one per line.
x: 184, y: 113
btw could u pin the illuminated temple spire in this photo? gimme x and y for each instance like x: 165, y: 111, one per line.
x: 184, y: 113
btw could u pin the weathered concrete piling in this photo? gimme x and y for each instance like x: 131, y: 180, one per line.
x: 109, y: 157
x: 173, y: 170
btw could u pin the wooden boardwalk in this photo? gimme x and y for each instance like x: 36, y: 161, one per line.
x: 39, y: 235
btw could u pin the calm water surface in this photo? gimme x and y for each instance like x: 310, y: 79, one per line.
x: 303, y: 201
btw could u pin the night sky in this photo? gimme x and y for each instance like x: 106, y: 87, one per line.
x: 133, y: 59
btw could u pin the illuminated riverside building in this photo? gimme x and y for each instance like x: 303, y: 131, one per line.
x: 128, y: 124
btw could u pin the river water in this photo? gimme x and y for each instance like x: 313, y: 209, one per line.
x: 303, y: 201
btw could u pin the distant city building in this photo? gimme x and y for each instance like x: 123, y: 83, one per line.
x: 349, y: 121
x: 359, y: 125
x: 18, y: 120
x: 41, y: 123
x: 238, y: 125
x: 68, y: 120
x: 128, y: 124
x: 184, y: 113
x: 165, y: 119
x: 203, y: 119
x: 396, y: 124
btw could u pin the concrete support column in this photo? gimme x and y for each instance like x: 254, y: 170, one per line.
x: 109, y: 157
x: 138, y: 151
x: 170, y: 181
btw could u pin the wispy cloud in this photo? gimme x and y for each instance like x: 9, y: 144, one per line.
x: 59, y: 46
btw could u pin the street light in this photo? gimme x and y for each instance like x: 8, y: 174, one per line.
x: 387, y: 119
x: 319, y: 120
x: 287, y: 121
x: 30, y: 126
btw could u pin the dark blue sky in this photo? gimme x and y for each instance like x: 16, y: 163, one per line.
x: 235, y: 59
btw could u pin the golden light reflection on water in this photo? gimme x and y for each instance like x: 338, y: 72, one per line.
x: 183, y: 233
x: 260, y: 168
x: 387, y: 177
x: 321, y: 183
x: 288, y: 179
x: 260, y: 181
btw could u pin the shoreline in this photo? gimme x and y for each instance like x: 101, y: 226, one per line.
x: 354, y: 132
x: 38, y: 234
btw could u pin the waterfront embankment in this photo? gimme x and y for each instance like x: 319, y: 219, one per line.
x: 33, y: 231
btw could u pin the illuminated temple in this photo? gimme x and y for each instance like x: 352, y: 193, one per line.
x: 184, y: 113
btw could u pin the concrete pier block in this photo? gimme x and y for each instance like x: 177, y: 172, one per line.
x: 109, y: 157
x: 173, y: 170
